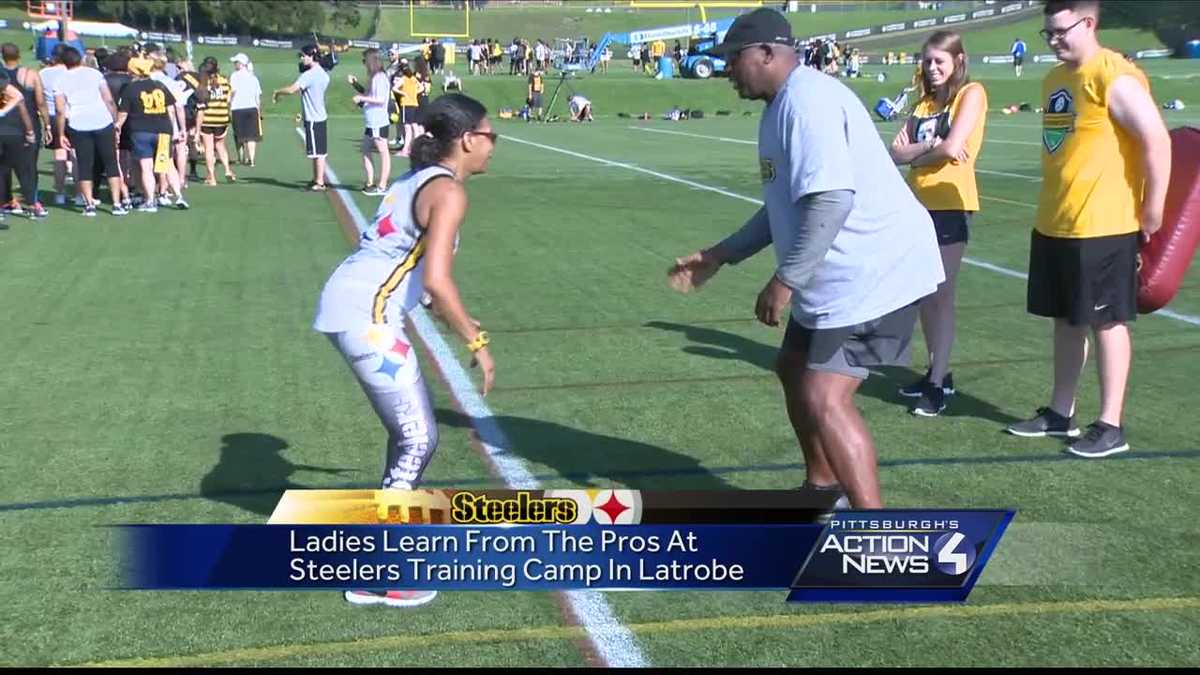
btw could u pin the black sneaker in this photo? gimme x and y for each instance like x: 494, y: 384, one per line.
x: 933, y: 401
x: 1100, y: 440
x: 1047, y: 423
x: 916, y: 389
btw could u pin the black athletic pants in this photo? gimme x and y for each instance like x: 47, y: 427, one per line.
x: 16, y: 157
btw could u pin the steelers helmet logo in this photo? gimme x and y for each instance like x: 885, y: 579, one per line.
x: 393, y: 350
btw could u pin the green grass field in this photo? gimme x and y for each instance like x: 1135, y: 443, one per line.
x: 572, y: 20
x: 989, y: 39
x: 162, y: 369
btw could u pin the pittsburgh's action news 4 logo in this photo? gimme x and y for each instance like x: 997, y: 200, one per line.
x: 882, y: 556
x: 955, y: 554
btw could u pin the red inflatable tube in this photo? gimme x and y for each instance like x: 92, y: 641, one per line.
x: 1166, y: 257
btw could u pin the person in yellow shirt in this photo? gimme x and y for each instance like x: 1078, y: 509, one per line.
x: 941, y: 142
x: 537, y: 85
x: 407, y: 88
x: 1106, y: 162
x: 657, y: 49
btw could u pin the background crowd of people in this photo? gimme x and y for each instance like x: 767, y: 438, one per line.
x: 137, y: 119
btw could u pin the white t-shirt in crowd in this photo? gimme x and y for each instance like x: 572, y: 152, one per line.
x: 178, y: 88
x: 50, y: 77
x: 375, y: 114
x: 86, y: 110
x: 313, y: 83
x: 246, y: 90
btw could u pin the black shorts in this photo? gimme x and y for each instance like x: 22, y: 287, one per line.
x: 1088, y: 282
x: 55, y: 139
x: 125, y: 140
x: 951, y: 226
x: 535, y: 101
x: 315, y: 141
x: 1018, y: 60
x: 408, y: 114
x: 247, y: 126
x: 851, y: 350
x: 381, y: 132
x: 93, y: 148
x: 217, y: 131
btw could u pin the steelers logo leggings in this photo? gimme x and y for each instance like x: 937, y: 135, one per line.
x: 385, y: 365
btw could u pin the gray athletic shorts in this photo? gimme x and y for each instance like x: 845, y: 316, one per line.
x: 851, y: 350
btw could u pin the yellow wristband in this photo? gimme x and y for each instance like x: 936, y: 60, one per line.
x: 479, y: 342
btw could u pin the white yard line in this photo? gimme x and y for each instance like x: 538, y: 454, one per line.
x: 724, y: 139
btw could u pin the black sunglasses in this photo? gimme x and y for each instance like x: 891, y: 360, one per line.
x: 1059, y: 33
x: 492, y: 135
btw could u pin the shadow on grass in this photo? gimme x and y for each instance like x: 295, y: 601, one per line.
x: 595, y: 460
x: 719, y: 344
x: 252, y: 472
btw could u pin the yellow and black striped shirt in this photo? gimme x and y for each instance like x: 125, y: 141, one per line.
x: 216, y: 109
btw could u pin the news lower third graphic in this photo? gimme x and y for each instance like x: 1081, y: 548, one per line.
x: 531, y: 540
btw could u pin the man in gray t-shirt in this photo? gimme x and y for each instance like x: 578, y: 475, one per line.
x: 311, y: 84
x: 854, y: 250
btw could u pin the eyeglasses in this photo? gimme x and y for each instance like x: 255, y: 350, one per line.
x: 1058, y: 34
x: 492, y: 135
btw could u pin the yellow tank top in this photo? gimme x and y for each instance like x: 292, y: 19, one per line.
x: 1092, y: 177
x: 537, y: 83
x: 949, y: 186
x: 409, y: 88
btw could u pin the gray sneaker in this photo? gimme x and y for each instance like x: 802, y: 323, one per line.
x: 832, y: 497
x: 1047, y: 423
x: 1100, y: 440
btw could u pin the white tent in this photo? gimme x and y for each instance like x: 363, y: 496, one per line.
x: 103, y: 29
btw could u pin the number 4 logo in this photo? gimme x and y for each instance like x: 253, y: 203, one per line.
x: 955, y: 554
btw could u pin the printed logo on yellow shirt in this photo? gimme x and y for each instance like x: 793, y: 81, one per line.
x: 1058, y: 121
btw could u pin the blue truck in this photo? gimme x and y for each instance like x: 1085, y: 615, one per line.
x: 700, y: 36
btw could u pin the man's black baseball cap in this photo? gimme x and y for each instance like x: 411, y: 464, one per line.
x: 760, y: 26
x: 310, y: 50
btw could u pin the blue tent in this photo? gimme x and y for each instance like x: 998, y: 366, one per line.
x: 50, y: 38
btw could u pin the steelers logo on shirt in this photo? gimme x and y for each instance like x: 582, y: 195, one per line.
x: 1058, y: 120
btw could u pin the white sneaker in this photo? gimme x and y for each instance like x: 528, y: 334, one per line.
x: 148, y: 207
x: 182, y: 204
x: 390, y: 598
